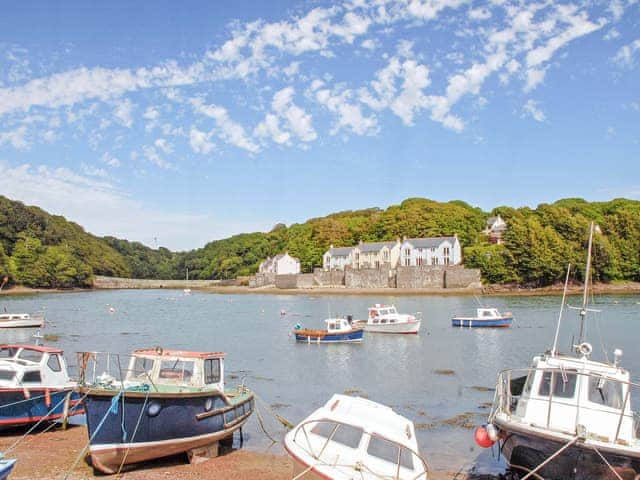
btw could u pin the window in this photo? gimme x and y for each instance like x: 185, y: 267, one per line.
x: 211, y: 370
x: 141, y: 369
x: 54, y: 363
x: 389, y: 452
x: 419, y: 261
x: 605, y: 392
x: 176, y: 370
x: 33, y: 376
x: 7, y: 352
x: 7, y: 375
x: 407, y: 262
x: 407, y: 251
x: 31, y: 355
x: 434, y: 260
x: 343, y: 434
x: 564, y: 384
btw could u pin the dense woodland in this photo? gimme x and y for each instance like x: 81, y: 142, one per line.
x: 42, y: 250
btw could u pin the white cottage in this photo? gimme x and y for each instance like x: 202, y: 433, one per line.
x: 415, y: 252
x: 282, y: 264
x: 376, y: 254
x: 495, y: 227
x: 337, y: 258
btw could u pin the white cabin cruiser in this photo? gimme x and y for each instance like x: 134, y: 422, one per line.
x: 351, y: 437
x: 20, y: 320
x: 386, y: 319
x: 567, y: 416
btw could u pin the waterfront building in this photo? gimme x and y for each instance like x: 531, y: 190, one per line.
x: 338, y: 258
x: 281, y: 264
x: 376, y: 254
x: 416, y: 252
x: 495, y: 228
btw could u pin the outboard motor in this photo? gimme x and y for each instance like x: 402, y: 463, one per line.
x: 349, y: 319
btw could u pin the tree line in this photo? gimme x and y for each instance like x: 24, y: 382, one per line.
x: 42, y: 250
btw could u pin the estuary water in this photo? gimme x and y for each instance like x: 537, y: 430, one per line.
x: 442, y: 379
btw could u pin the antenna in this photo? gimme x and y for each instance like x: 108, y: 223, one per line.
x: 585, y: 294
x: 554, y: 350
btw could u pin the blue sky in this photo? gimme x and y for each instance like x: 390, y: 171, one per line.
x: 175, y: 124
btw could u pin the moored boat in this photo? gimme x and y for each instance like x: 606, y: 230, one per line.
x: 165, y: 402
x: 567, y: 416
x: 386, y: 319
x: 6, y: 466
x: 35, y: 385
x: 352, y: 437
x: 485, y: 317
x: 21, y: 320
x: 339, y: 330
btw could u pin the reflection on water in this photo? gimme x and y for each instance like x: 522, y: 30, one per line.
x: 401, y: 371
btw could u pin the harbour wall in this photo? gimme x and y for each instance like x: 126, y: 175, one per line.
x: 117, y: 282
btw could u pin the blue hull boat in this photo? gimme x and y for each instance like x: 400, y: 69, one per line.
x: 6, y: 466
x: 485, y: 317
x: 339, y: 330
x: 40, y: 405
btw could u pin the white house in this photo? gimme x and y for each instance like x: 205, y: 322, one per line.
x: 415, y: 252
x: 496, y: 226
x: 376, y: 254
x: 337, y: 258
x: 281, y: 264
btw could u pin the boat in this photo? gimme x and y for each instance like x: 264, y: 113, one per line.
x: 20, y: 320
x: 485, y: 317
x: 567, y: 416
x: 339, y: 330
x: 386, y: 319
x: 352, y: 437
x: 35, y: 386
x: 154, y: 403
x: 6, y: 466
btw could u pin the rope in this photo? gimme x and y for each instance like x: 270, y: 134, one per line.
x: 286, y: 423
x: 562, y: 449
x: 607, y: 463
x: 22, y: 401
x: 260, y: 421
x: 135, y: 430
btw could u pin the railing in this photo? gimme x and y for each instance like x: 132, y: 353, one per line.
x: 107, y: 369
x: 511, y: 384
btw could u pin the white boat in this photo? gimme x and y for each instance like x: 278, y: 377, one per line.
x: 386, y: 319
x: 567, y: 416
x: 354, y: 438
x: 485, y: 317
x: 20, y: 320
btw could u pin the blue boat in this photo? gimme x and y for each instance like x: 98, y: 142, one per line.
x: 6, y: 466
x: 166, y: 402
x: 35, y: 385
x: 339, y: 330
x: 485, y: 317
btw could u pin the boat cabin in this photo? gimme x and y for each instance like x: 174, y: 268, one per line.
x: 576, y: 396
x: 32, y: 365
x: 176, y: 368
x: 338, y: 325
x: 7, y: 317
x: 488, y: 313
x: 381, y: 314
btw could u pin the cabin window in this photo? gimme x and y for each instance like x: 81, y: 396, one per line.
x: 384, y: 320
x: 54, y: 363
x: 346, y: 435
x: 211, y: 370
x: 564, y: 384
x: 7, y: 352
x: 392, y: 320
x: 389, y: 452
x: 33, y: 376
x: 142, y: 367
x: 375, y: 321
x: 605, y: 391
x: 7, y: 375
x: 486, y: 314
x: 31, y: 355
x: 332, y: 326
x: 176, y: 370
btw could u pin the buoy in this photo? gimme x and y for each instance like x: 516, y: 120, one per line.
x: 482, y: 437
x: 112, y: 310
x: 283, y: 312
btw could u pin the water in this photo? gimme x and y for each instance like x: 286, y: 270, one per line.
x: 400, y: 371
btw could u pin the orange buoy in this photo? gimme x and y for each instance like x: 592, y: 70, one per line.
x: 482, y: 437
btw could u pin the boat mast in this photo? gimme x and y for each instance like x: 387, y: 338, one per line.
x: 585, y: 294
x: 554, y: 350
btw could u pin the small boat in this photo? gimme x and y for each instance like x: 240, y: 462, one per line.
x: 485, y: 317
x: 386, y: 319
x: 339, y: 330
x: 20, y: 320
x: 567, y: 416
x: 35, y: 385
x: 351, y: 437
x: 157, y: 403
x: 6, y: 466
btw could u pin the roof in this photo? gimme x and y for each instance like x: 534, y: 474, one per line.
x: 429, y: 242
x: 160, y: 352
x: 490, y: 220
x: 36, y: 348
x: 375, y: 246
x: 340, y: 251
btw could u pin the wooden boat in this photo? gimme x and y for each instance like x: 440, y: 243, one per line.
x: 35, y: 385
x: 20, y: 320
x: 567, y: 416
x: 165, y: 402
x: 6, y: 466
x: 485, y: 317
x: 339, y: 330
x: 351, y: 437
x: 386, y: 319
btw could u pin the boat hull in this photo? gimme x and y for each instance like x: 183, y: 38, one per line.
x: 398, y: 328
x: 21, y: 406
x: 524, y: 452
x: 152, y: 425
x: 320, y: 337
x: 6, y: 467
x: 33, y: 323
x: 481, y: 323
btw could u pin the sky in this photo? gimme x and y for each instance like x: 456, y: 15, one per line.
x: 178, y: 123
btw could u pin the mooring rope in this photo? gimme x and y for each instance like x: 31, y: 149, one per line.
x: 133, y: 436
x: 286, y: 423
x: 562, y: 449
x: 607, y: 463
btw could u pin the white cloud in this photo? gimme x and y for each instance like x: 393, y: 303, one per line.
x: 200, y: 141
x: 123, y: 112
x: 164, y: 146
x: 286, y: 120
x: 16, y: 138
x: 92, y: 171
x: 110, y: 160
x: 429, y: 9
x: 625, y: 57
x: 151, y: 154
x: 349, y: 113
x: 227, y: 130
x: 612, y: 34
x: 531, y: 109
x: 370, y: 44
x: 270, y: 128
x: 480, y: 13
x: 292, y: 69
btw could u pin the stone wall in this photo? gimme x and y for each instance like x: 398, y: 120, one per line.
x: 117, y: 282
x: 325, y: 278
x: 460, y: 277
x: 262, y: 280
x: 427, y: 276
x: 367, y: 278
x: 301, y: 280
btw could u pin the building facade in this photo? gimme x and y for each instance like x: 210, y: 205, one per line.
x: 416, y: 252
x: 376, y: 255
x: 495, y: 228
x: 337, y: 258
x: 282, y: 264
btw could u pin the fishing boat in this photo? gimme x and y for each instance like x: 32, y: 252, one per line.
x: 485, y: 317
x: 339, y: 330
x: 20, y: 320
x: 35, y: 385
x: 162, y: 403
x: 567, y: 416
x: 6, y: 466
x: 386, y: 319
x: 351, y: 437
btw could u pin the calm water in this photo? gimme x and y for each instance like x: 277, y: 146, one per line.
x: 400, y: 371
